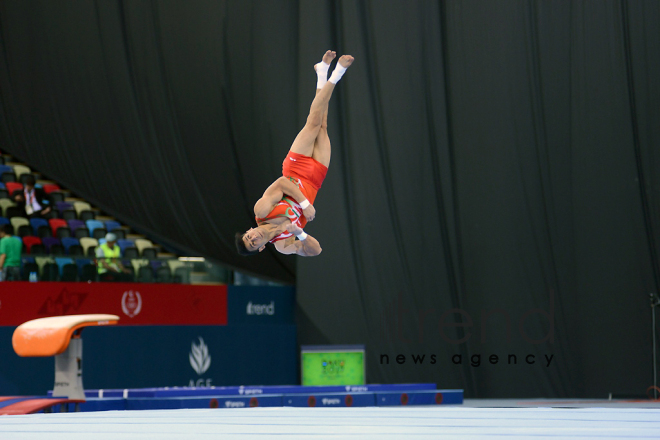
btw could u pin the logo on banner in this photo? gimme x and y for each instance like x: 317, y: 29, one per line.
x: 261, y: 309
x: 200, y: 359
x: 131, y: 303
x: 234, y: 404
x: 64, y: 303
x: 350, y: 388
x: 243, y: 390
x: 326, y: 401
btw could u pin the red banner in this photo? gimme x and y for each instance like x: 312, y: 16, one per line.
x: 135, y: 304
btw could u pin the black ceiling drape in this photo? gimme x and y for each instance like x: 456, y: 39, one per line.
x: 494, y: 163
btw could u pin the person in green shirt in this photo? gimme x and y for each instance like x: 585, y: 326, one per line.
x: 10, y: 254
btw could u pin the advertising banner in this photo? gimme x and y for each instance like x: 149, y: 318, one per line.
x: 134, y: 303
x: 119, y: 357
x: 261, y: 305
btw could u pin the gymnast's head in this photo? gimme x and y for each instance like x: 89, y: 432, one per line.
x: 251, y: 242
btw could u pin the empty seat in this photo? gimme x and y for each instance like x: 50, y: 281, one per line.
x: 130, y: 252
x: 151, y: 253
x: 88, y: 272
x: 68, y: 214
x: 181, y: 275
x: 17, y: 222
x: 87, y: 215
x: 173, y: 264
x: 129, y: 268
x: 44, y: 231
x: 93, y: 224
x: 63, y: 206
x: 81, y: 232
x: 28, y: 268
x: 49, y: 272
x: 145, y: 274
x: 124, y: 243
x: 63, y: 232
x: 180, y: 271
x: 24, y: 231
x: 99, y: 233
x: 142, y: 243
x: 75, y: 224
x: 4, y: 204
x: 29, y: 242
x: 120, y: 233
x: 55, y: 197
x: 56, y: 223
x: 14, y: 211
x: 67, y: 242
x: 56, y: 249
x: 4, y: 221
x: 8, y: 176
x: 61, y: 261
x: 137, y: 263
x: 51, y: 187
x: 81, y: 206
x: 3, y: 193
x: 13, y: 186
x: 111, y: 225
x: 87, y: 243
x: 51, y: 241
x: 38, y: 248
x: 19, y: 170
x: 36, y: 223
x: 86, y: 269
x: 76, y: 251
x: 163, y: 275
x: 69, y: 272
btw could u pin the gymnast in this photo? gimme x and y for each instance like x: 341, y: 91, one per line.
x: 287, y: 204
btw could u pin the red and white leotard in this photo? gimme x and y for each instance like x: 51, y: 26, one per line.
x: 308, y: 174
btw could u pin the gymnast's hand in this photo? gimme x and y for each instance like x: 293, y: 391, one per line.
x: 309, y: 213
x: 294, y: 229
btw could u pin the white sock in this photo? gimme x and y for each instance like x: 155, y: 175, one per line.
x: 337, y: 73
x: 322, y: 74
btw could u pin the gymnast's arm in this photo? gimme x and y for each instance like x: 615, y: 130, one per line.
x: 274, y: 194
x: 309, y: 247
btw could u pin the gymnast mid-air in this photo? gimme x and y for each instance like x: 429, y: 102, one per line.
x: 287, y: 204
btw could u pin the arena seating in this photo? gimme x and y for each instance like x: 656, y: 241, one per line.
x: 12, y: 187
x: 28, y: 242
x: 62, y: 246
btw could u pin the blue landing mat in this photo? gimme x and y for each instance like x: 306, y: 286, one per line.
x: 270, y: 396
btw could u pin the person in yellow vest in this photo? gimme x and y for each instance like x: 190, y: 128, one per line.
x: 108, y: 263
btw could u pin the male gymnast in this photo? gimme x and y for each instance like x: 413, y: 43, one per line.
x: 287, y: 204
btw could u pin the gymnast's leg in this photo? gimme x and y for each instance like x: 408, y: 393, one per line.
x: 308, y: 142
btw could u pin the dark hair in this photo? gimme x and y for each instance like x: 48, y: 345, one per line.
x: 8, y: 229
x: 240, y: 245
x: 29, y: 180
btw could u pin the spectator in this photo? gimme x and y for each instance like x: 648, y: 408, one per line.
x: 107, y: 261
x: 10, y: 254
x: 33, y: 199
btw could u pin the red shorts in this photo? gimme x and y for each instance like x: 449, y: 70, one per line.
x: 305, y: 168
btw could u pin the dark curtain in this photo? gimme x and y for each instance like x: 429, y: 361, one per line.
x: 493, y: 188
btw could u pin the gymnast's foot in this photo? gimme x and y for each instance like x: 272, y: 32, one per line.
x: 346, y: 60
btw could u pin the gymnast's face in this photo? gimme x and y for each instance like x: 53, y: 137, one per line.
x: 256, y: 238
